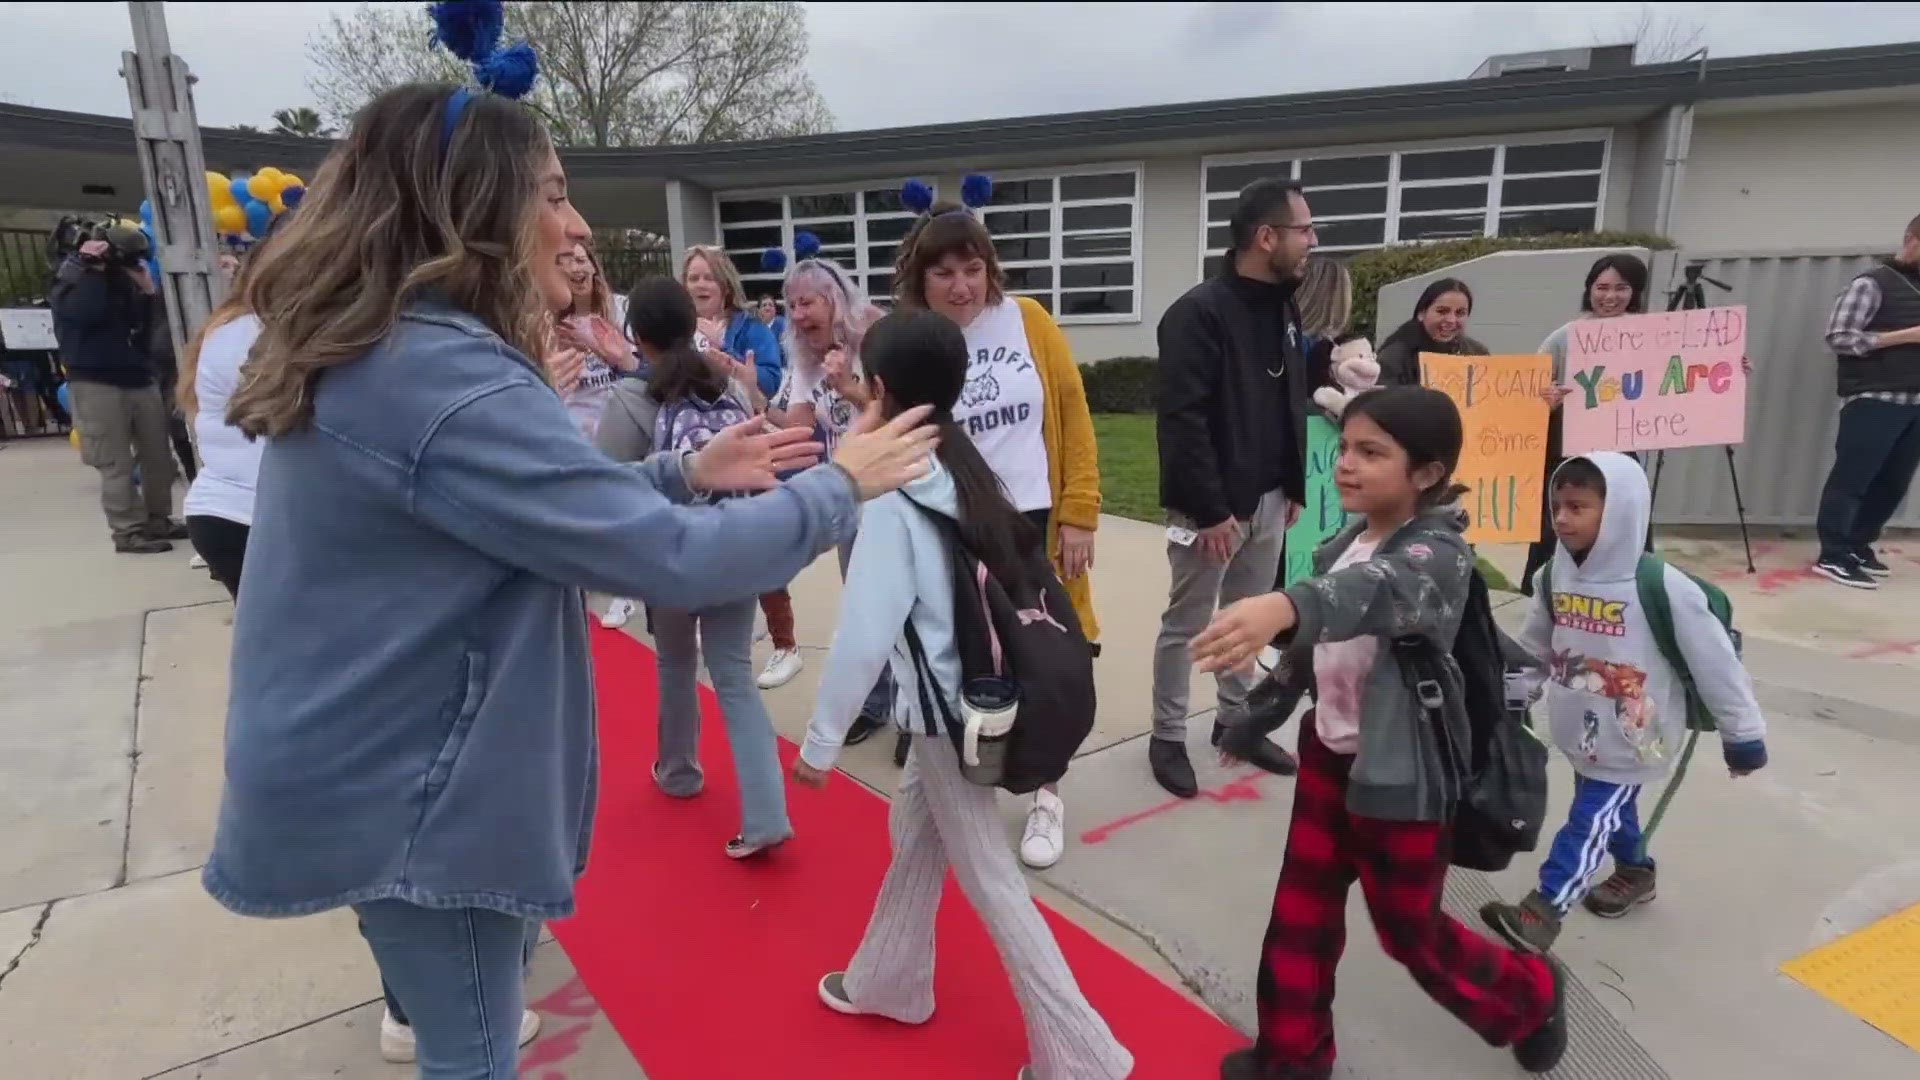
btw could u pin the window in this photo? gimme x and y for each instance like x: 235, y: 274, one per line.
x: 859, y: 228
x: 1517, y: 188
x: 1071, y: 241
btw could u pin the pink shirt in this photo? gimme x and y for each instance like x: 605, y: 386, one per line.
x: 1340, y: 670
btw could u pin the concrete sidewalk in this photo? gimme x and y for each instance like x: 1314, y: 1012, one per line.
x: 112, y: 688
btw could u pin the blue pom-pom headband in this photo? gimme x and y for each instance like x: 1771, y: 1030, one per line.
x: 976, y: 190
x: 805, y: 246
x: 471, y: 30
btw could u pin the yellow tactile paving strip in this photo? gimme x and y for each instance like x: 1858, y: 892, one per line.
x: 1873, y: 973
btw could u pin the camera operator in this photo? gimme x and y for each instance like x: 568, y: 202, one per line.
x: 99, y: 299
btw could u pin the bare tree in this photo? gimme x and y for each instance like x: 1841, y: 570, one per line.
x: 1659, y: 37
x: 612, y: 74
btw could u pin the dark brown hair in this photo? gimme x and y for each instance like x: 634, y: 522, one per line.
x: 945, y: 229
x: 660, y: 315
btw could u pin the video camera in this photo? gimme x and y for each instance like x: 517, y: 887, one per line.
x: 126, y: 242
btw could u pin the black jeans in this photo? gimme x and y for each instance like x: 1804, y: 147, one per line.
x: 1874, y: 458
x: 223, y: 544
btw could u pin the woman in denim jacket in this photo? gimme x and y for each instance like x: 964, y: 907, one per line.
x: 411, y: 723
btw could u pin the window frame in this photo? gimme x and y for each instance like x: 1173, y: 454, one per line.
x: 789, y: 224
x: 1057, y: 261
x: 1390, y: 219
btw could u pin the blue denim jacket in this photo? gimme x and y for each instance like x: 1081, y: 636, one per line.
x: 412, y: 711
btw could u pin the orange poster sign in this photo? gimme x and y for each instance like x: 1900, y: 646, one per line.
x: 1503, y: 457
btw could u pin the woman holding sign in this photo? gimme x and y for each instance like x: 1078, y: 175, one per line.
x: 1616, y: 286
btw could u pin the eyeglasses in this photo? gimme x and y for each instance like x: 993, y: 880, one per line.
x: 1307, y: 229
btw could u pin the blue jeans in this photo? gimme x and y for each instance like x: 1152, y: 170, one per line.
x: 1604, y: 820
x: 1874, y: 459
x: 458, y: 978
x: 726, y: 638
x: 879, y: 704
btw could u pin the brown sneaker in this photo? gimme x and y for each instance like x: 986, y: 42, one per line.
x: 1628, y: 888
x: 1530, y: 925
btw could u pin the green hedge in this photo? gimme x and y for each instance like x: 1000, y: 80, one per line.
x: 1373, y: 269
x: 1124, y: 384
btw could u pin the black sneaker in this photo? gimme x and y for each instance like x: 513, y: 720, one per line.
x: 1542, y: 1050
x: 1171, y: 767
x: 164, y: 529
x: 140, y: 544
x: 1846, y: 571
x: 1245, y: 1064
x: 1244, y: 742
x: 1871, y: 563
x: 863, y: 728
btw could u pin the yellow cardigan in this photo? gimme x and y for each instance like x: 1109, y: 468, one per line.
x: 1073, y: 457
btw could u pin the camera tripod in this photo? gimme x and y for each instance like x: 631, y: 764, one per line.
x: 1691, y: 295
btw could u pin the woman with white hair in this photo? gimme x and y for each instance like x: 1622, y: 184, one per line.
x: 824, y: 389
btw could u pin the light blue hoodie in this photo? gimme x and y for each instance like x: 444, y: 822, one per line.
x: 899, y: 569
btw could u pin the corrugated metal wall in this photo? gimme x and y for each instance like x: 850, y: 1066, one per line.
x: 1792, y: 411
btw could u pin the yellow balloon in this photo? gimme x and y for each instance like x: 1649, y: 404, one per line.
x: 270, y: 172
x: 230, y: 219
x: 274, y: 204
x: 291, y: 181
x: 261, y: 186
x: 219, y: 191
x: 73, y: 437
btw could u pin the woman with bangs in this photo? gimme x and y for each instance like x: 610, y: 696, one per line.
x: 1024, y: 406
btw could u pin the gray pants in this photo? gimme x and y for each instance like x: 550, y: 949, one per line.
x: 119, y: 429
x: 1200, y: 587
x: 938, y: 819
x: 726, y: 637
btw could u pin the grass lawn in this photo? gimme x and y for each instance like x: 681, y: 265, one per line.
x: 1130, y: 476
x: 1129, y: 465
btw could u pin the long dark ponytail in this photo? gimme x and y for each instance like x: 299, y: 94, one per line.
x: 660, y: 315
x: 921, y: 359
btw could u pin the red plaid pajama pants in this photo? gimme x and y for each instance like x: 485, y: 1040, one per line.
x: 1401, y: 865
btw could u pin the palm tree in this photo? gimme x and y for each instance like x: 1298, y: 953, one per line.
x: 300, y: 121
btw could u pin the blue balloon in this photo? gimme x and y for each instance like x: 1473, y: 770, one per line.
x: 259, y: 216
x: 64, y: 398
x: 146, y: 211
x: 238, y: 186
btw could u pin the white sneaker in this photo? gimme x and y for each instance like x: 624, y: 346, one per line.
x: 396, y: 1038
x: 196, y: 563
x: 1046, y: 837
x: 781, y: 667
x: 618, y: 612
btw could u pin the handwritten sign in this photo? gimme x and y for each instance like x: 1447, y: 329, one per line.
x: 1322, y: 516
x: 1503, y: 458
x: 27, y: 328
x: 1653, y: 382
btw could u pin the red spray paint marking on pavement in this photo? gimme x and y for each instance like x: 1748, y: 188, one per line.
x: 1242, y: 788
x: 1885, y: 648
x: 546, y: 1058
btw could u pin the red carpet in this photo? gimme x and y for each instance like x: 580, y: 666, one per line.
x: 707, y: 967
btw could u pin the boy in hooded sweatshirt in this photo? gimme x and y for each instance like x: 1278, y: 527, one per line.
x: 1615, y: 706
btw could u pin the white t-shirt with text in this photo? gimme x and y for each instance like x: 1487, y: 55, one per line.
x: 1002, y: 404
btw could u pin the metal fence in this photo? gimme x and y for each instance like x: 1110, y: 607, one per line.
x: 24, y: 274
x: 1792, y: 411
x: 626, y: 265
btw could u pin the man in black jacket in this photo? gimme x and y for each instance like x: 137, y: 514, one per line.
x: 1232, y: 402
x: 1875, y: 332
x: 99, y: 303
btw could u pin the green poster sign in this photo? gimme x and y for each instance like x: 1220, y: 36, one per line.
x: 1322, y: 516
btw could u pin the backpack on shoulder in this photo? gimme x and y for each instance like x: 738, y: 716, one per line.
x: 1503, y: 798
x: 691, y: 423
x: 1650, y: 583
x: 1026, y: 696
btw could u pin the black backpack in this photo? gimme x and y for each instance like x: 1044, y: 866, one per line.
x: 1503, y: 799
x: 1033, y: 640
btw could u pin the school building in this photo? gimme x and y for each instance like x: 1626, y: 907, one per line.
x: 1805, y: 161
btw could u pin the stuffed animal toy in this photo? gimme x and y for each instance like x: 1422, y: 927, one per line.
x: 1354, y: 370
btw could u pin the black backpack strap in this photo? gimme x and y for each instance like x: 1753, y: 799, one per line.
x: 923, y: 678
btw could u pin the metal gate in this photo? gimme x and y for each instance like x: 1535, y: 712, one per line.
x: 1792, y: 410
x: 24, y: 274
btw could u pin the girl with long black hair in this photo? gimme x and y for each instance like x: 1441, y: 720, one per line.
x: 899, y: 573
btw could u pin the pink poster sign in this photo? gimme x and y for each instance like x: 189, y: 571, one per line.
x: 1656, y: 382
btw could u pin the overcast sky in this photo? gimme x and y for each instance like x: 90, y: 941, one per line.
x: 882, y: 64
